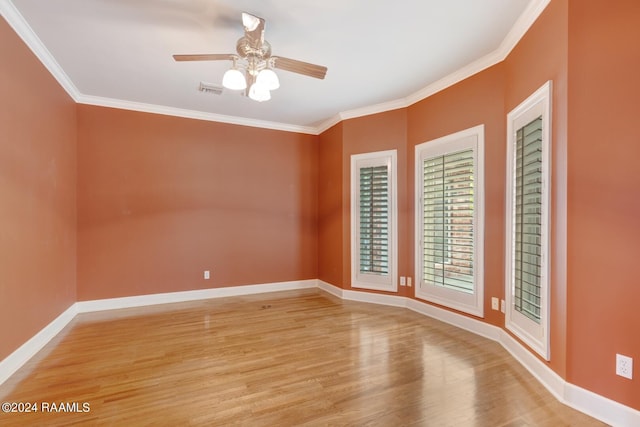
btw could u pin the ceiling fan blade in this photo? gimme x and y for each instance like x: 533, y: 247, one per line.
x: 205, y: 57
x: 253, y: 29
x: 300, y: 67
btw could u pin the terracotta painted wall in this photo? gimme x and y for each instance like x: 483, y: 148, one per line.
x: 161, y: 199
x: 484, y: 98
x: 479, y: 99
x: 37, y: 195
x: 474, y: 101
x: 604, y: 196
x: 540, y: 56
x: 377, y: 132
x: 331, y: 209
x: 589, y: 51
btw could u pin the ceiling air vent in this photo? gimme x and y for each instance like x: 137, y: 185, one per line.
x: 210, y: 88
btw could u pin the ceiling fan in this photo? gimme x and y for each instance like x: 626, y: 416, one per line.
x: 254, y: 58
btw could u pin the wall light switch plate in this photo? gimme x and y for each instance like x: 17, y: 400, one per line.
x: 207, y: 275
x: 409, y: 281
x: 494, y: 303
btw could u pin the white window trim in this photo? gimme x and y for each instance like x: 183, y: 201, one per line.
x: 535, y: 335
x: 374, y: 281
x: 468, y: 303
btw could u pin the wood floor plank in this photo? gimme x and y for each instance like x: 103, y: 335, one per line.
x: 286, y: 358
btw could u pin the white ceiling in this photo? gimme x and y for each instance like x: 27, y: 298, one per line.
x: 381, y: 54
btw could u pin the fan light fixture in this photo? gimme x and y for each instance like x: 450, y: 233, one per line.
x: 234, y: 79
x: 252, y: 69
x: 268, y: 78
x: 261, y: 79
x: 259, y: 93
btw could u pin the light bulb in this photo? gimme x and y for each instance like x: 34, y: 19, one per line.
x: 259, y: 93
x: 249, y: 21
x: 269, y: 79
x: 234, y: 79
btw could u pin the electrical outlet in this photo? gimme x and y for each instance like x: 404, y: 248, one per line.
x: 403, y: 281
x: 624, y: 366
x: 207, y: 275
x: 503, y: 306
x: 409, y: 281
x: 494, y: 303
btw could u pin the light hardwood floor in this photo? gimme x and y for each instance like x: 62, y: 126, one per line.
x: 279, y: 359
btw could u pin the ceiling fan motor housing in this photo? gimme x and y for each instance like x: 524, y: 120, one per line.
x: 245, y: 50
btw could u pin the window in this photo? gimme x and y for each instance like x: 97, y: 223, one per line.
x: 449, y: 220
x: 373, y: 221
x: 527, y: 220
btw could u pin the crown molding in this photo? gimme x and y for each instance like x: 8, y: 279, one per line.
x: 192, y: 114
x: 445, y: 82
x: 456, y: 77
x: 328, y: 124
x: 33, y: 42
x: 519, y: 29
x: 360, y: 112
x: 373, y: 109
x: 522, y: 25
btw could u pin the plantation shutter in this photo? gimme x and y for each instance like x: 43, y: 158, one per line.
x: 374, y: 220
x: 448, y: 206
x: 528, y: 219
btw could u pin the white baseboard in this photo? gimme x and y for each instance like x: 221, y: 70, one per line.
x: 463, y: 322
x: 606, y: 410
x: 599, y: 407
x: 592, y: 404
x: 172, y: 297
x: 541, y: 371
x: 381, y: 299
x: 363, y: 296
x: 330, y: 289
x: 13, y: 362
x: 10, y: 364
